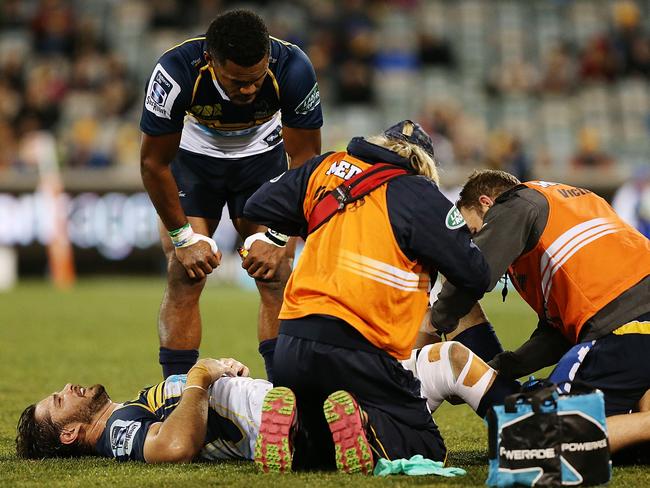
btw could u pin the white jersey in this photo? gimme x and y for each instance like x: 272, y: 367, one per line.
x: 231, y: 144
x: 240, y: 401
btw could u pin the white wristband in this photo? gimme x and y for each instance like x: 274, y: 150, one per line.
x: 185, y: 237
x: 270, y: 237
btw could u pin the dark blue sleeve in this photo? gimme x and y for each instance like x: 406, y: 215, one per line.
x: 168, y: 94
x: 278, y: 204
x: 299, y: 94
x: 125, y: 433
x: 426, y: 228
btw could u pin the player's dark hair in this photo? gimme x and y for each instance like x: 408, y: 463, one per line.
x: 488, y: 182
x: 38, y: 440
x: 240, y: 36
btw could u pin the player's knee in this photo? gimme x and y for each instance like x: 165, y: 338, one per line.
x: 434, y: 351
x: 271, y: 290
x: 177, y: 277
x: 458, y: 357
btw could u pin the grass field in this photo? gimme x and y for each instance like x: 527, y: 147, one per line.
x: 104, y: 332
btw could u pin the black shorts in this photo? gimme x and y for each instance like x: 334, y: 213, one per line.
x: 206, y: 184
x: 617, y: 364
x: 389, y: 394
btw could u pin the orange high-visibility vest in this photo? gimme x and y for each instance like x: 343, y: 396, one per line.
x: 585, y: 258
x: 352, y: 267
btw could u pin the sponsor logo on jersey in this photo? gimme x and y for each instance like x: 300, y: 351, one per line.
x: 122, y: 436
x: 161, y: 93
x: 274, y: 137
x: 207, y: 111
x: 311, y: 101
x: 454, y: 219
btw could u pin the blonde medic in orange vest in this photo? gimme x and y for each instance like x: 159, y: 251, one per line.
x: 584, y: 271
x: 353, y: 305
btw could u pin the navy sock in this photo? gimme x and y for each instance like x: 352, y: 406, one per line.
x: 498, y: 391
x: 177, y: 361
x: 267, y: 350
x: 482, y: 340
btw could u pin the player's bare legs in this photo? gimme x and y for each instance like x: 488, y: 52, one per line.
x: 271, y: 294
x: 179, y: 321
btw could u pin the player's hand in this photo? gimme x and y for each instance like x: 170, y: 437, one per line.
x: 198, y: 259
x: 206, y: 371
x: 235, y: 368
x: 263, y: 260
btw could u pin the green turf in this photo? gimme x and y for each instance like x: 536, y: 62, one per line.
x: 104, y: 332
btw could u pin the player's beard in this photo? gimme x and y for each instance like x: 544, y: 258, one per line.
x: 98, y: 401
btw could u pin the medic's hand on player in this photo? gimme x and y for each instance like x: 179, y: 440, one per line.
x: 198, y: 259
x: 262, y: 259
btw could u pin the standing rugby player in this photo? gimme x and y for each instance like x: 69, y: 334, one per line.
x: 221, y: 113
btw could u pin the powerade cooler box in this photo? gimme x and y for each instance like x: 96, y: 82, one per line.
x: 541, y: 438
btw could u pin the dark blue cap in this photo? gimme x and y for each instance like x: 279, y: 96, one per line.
x: 412, y: 132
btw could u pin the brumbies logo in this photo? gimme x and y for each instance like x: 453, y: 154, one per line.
x: 311, y: 101
x: 454, y: 219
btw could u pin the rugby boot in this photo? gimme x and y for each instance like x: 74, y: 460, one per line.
x: 352, y: 449
x: 273, y: 448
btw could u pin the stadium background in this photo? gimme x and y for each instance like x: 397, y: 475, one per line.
x: 551, y: 89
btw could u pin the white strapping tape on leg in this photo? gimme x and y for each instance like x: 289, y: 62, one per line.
x: 472, y: 394
x: 436, y: 377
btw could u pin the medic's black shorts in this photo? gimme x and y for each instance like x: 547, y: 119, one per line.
x: 308, y: 360
x: 206, y: 184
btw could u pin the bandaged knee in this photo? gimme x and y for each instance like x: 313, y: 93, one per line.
x: 435, y: 367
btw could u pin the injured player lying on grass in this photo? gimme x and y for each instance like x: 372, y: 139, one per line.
x: 211, y: 413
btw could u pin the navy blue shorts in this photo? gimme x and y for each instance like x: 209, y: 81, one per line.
x: 401, y: 423
x: 206, y: 184
x: 618, y: 364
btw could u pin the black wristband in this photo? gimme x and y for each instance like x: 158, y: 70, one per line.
x: 277, y: 238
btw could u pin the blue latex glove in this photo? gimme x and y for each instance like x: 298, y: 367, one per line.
x: 416, y: 466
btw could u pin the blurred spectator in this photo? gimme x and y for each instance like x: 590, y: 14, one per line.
x: 589, y: 154
x: 632, y: 201
x: 355, y: 83
x: 513, y: 77
x: 53, y: 27
x: 505, y: 152
x: 559, y: 71
x: 435, y: 51
x: 632, y: 44
x: 598, y: 61
x: 8, y: 146
x: 13, y: 14
x: 84, y: 148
